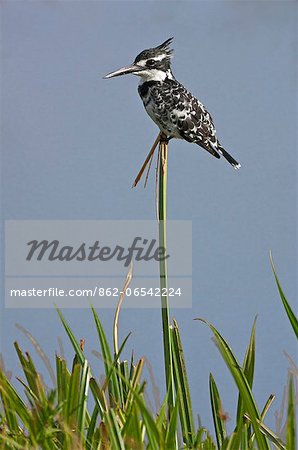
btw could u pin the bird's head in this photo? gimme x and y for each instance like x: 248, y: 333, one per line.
x: 151, y: 64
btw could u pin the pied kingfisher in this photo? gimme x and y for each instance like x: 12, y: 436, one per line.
x: 170, y: 105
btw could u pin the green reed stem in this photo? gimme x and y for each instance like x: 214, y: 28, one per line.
x: 162, y: 217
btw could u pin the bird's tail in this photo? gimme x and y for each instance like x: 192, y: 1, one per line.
x: 228, y: 157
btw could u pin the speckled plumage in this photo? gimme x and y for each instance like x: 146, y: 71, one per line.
x: 178, y: 113
x: 170, y: 105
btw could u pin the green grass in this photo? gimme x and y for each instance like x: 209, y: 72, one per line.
x: 80, y: 412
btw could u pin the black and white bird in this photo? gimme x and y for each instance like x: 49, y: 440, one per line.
x: 170, y: 105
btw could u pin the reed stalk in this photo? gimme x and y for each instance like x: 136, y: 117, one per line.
x: 162, y: 222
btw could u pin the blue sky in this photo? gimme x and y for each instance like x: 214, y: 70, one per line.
x: 73, y: 143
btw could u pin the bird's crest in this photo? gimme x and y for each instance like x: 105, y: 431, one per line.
x: 165, y: 47
x: 161, y: 50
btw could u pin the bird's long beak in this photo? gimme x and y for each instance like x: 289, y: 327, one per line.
x: 133, y: 68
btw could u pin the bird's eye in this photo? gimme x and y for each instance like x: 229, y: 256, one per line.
x: 150, y: 62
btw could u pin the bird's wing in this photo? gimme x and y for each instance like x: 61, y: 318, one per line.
x: 191, y: 119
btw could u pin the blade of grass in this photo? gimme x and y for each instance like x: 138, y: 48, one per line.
x: 171, y: 435
x: 63, y: 377
x: 292, y: 318
x: 33, y: 378
x: 182, y: 387
x: 83, y: 395
x: 267, y: 406
x: 216, y: 406
x: 99, y: 396
x: 242, y: 384
x: 291, y: 419
x: 162, y: 415
x: 271, y: 436
x: 72, y: 404
x: 263, y: 414
x: 75, y: 344
x: 121, y: 298
x: 242, y: 426
x: 125, y: 373
x: 91, y: 429
x: 114, y: 391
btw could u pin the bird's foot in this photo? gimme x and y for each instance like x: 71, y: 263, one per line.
x: 148, y: 159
